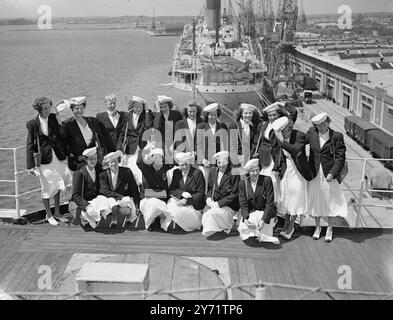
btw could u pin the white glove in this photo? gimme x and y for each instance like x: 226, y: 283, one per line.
x: 214, y: 205
x: 186, y: 195
x: 89, y: 210
x: 208, y: 202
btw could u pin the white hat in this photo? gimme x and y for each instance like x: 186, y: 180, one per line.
x: 211, y: 107
x: 247, y: 106
x: 184, y: 157
x: 251, y: 164
x: 89, y: 152
x: 77, y: 101
x: 155, y: 151
x: 319, y: 118
x: 273, y: 107
x: 280, y: 123
x: 112, y: 156
x: 138, y: 99
x: 65, y: 105
x: 112, y: 96
x: 164, y: 99
x: 221, y: 155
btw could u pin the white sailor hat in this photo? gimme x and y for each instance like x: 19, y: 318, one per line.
x: 89, y: 152
x: 164, y: 99
x: 184, y: 157
x: 273, y: 107
x: 138, y: 99
x: 63, y: 106
x: 319, y: 118
x: 112, y: 156
x: 221, y: 155
x: 211, y: 107
x: 110, y: 97
x: 247, y: 106
x: 156, y: 151
x: 77, y: 101
x: 251, y: 164
x: 280, y: 123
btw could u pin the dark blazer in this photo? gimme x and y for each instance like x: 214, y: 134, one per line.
x: 265, y: 145
x: 112, y: 134
x: 159, y: 124
x: 83, y: 181
x: 253, y: 132
x: 296, y: 147
x: 195, y: 185
x: 190, y: 146
x: 324, y: 155
x: 126, y: 185
x: 135, y: 135
x: 261, y: 200
x: 152, y: 179
x: 76, y: 144
x: 207, y: 145
x: 55, y: 139
x: 226, y: 194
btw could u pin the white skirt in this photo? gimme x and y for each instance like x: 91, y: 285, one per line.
x: 217, y: 220
x: 129, y: 161
x: 267, y: 171
x: 151, y: 209
x: 293, y: 195
x: 186, y: 217
x: 326, y: 199
x: 245, y: 232
x: 54, y: 177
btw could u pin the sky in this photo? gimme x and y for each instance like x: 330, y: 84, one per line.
x: 83, y: 8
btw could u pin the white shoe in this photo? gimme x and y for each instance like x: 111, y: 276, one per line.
x: 265, y: 238
x: 89, y: 219
x: 52, y: 221
x: 329, y: 234
x: 317, y: 233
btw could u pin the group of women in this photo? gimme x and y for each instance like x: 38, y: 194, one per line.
x: 250, y: 170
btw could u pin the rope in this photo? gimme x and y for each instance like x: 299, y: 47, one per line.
x: 171, y: 293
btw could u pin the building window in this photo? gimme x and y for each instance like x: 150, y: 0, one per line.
x: 390, y: 111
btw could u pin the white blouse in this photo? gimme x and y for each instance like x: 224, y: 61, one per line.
x: 44, y: 125
x: 86, y: 133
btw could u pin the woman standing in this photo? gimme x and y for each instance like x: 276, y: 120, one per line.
x: 292, y: 167
x: 134, y: 135
x: 327, y: 159
x: 83, y: 133
x: 245, y: 129
x: 46, y: 156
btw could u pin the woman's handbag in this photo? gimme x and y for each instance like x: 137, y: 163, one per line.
x: 344, y: 171
x: 37, y: 155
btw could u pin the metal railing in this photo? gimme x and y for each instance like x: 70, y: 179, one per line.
x: 261, y: 290
x: 17, y: 195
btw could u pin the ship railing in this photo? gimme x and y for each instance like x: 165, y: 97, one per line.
x: 16, y: 181
x: 254, y: 291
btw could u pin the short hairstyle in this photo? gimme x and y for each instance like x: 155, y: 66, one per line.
x: 193, y: 104
x: 328, y: 119
x: 72, y: 106
x: 254, y: 119
x: 205, y: 115
x: 131, y: 102
x: 39, y: 102
x: 169, y: 103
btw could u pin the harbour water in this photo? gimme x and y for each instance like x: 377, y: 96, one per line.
x: 64, y: 63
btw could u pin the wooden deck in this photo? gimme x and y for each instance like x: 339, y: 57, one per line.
x: 301, y: 261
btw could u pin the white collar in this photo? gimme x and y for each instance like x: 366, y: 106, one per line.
x: 42, y: 119
x: 111, y: 113
x: 93, y: 170
x: 245, y: 124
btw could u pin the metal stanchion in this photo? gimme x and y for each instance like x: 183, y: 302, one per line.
x: 260, y: 292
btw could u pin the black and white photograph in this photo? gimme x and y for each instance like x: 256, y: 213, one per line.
x: 196, y: 150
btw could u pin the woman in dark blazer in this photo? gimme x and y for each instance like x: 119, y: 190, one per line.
x: 292, y: 167
x: 138, y: 125
x: 118, y: 184
x: 222, y: 197
x: 212, y: 137
x: 256, y: 198
x: 46, y: 137
x: 187, y: 192
x: 112, y: 121
x: 327, y: 159
x: 83, y: 133
x: 245, y: 130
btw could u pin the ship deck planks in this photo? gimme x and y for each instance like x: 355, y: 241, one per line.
x: 301, y: 261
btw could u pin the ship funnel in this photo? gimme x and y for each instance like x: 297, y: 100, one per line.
x: 213, y: 14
